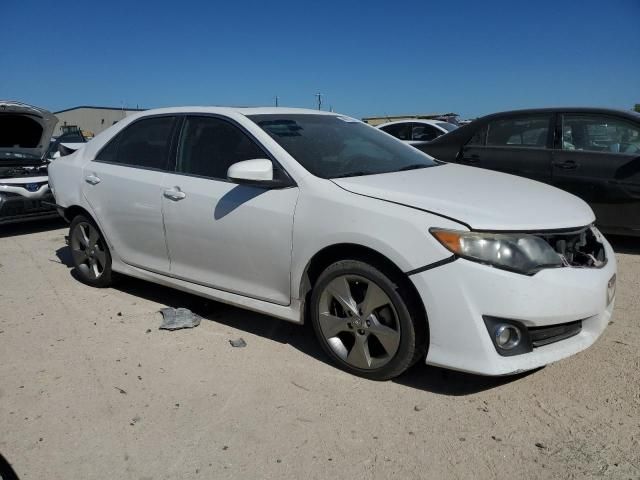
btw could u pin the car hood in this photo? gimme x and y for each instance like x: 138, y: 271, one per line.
x: 481, y: 199
x: 25, y: 130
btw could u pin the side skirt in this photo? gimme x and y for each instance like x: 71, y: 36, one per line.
x: 290, y: 313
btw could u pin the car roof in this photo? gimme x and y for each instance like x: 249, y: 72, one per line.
x: 413, y: 120
x: 241, y: 110
x: 609, y: 111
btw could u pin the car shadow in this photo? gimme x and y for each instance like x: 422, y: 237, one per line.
x: 234, y: 198
x: 6, y: 470
x: 624, y: 244
x: 301, y: 337
x: 32, y: 226
x: 452, y: 383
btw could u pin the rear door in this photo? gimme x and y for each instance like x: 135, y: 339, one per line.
x: 123, y: 185
x: 236, y: 238
x: 520, y: 145
x: 598, y: 159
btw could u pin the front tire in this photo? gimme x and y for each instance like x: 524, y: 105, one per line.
x: 90, y: 253
x: 364, y: 321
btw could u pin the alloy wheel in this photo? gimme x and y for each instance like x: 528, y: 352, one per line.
x: 359, y: 322
x: 87, y: 248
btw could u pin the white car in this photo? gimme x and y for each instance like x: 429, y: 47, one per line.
x: 417, y: 132
x: 312, y: 216
x: 25, y: 131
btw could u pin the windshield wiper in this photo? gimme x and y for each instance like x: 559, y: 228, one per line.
x: 414, y: 166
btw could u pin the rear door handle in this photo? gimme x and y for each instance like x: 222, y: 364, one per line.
x: 566, y: 165
x: 174, y: 194
x: 92, y: 179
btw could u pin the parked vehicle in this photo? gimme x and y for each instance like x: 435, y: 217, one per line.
x: 24, y: 139
x: 308, y: 215
x: 417, y: 132
x: 592, y: 153
x: 65, y: 144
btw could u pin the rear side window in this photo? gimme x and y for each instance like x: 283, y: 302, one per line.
x: 143, y: 144
x: 599, y: 133
x: 525, y: 131
x: 424, y: 132
x: 399, y: 130
x: 209, y: 146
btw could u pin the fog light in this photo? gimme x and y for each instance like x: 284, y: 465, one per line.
x: 611, y: 289
x: 507, y: 336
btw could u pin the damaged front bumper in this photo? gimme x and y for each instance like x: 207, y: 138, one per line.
x: 550, y: 305
x: 28, y: 201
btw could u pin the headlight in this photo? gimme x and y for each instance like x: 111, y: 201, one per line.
x: 518, y: 252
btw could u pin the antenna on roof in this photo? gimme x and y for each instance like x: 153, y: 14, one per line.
x: 276, y: 98
x: 319, y: 95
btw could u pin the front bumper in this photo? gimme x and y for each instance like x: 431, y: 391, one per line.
x: 458, y: 294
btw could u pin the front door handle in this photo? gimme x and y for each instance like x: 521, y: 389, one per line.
x: 92, y: 179
x: 471, y: 159
x: 566, y: 165
x: 174, y: 194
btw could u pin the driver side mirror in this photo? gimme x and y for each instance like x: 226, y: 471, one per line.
x: 258, y: 172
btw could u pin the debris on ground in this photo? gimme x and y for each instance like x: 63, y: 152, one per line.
x: 177, y: 318
x: 238, y: 343
x: 123, y: 392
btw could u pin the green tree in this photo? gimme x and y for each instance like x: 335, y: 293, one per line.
x: 637, y: 107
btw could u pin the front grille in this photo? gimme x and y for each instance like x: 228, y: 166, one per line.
x: 554, y: 333
x: 580, y: 248
x: 16, y: 205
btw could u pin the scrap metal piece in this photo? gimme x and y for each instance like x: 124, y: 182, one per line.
x: 177, y: 318
x: 238, y: 343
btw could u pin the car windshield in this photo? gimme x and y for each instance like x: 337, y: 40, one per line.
x: 447, y: 126
x: 331, y: 146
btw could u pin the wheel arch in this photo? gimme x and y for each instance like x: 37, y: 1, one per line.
x: 73, y: 211
x: 351, y: 251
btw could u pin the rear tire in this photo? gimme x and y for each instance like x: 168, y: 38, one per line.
x: 90, y: 253
x: 365, y: 322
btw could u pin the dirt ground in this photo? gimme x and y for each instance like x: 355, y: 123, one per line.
x: 90, y: 388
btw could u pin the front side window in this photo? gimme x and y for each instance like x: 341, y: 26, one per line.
x: 331, y: 146
x: 524, y: 131
x: 478, y: 137
x: 599, y: 133
x: 143, y: 144
x: 424, y: 132
x: 401, y: 131
x: 209, y: 146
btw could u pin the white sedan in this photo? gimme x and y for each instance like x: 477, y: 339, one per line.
x: 417, y: 131
x: 311, y: 216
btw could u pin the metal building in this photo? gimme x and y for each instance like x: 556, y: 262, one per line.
x: 90, y: 119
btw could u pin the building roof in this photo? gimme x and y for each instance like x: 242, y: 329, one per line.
x: 94, y: 107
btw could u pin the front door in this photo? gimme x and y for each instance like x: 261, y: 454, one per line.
x: 232, y: 237
x: 598, y: 159
x: 123, y: 185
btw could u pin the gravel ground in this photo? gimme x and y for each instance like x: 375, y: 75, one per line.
x: 90, y: 388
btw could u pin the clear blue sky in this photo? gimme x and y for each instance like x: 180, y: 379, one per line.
x: 368, y: 57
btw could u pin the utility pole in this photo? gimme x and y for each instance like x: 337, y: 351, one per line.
x: 319, y: 95
x: 277, y: 100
